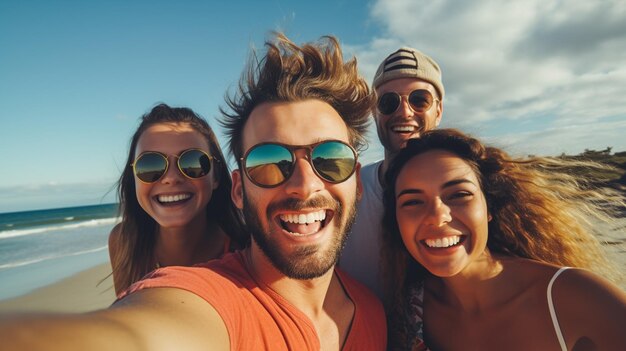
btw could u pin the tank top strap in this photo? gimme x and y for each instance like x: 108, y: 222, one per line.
x: 555, y: 321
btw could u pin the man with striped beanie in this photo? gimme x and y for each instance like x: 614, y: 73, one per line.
x: 410, y: 101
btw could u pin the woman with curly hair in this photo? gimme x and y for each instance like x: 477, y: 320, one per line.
x: 495, y: 253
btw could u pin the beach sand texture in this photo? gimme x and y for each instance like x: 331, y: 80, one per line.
x: 81, y: 292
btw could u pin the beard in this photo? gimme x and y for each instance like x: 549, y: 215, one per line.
x: 305, y: 262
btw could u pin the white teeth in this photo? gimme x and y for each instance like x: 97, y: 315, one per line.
x: 403, y: 128
x: 173, y: 198
x: 443, y: 242
x: 304, y: 218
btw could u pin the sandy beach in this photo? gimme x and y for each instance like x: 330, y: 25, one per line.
x: 81, y: 292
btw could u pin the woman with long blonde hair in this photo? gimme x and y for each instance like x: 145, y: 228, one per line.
x: 486, y: 252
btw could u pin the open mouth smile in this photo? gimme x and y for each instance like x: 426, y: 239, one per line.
x: 173, y: 198
x: 445, y: 242
x: 303, y: 224
x: 404, y: 129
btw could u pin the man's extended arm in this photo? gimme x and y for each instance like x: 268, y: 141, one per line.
x: 151, y: 319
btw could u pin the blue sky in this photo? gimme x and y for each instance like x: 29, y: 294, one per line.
x: 535, y: 77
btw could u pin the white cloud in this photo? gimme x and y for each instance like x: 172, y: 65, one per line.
x: 544, y: 67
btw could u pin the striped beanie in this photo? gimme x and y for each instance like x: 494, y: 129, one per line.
x: 409, y: 63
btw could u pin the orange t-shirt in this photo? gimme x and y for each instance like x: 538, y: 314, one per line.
x: 257, y: 318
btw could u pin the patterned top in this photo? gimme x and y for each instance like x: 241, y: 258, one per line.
x: 407, y: 326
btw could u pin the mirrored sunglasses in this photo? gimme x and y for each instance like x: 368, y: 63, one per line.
x: 419, y: 101
x: 150, y: 166
x: 271, y: 164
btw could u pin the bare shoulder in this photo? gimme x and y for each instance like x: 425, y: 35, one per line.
x: 581, y: 284
x: 589, y: 308
x: 115, y: 245
x: 171, y: 319
x: 115, y: 236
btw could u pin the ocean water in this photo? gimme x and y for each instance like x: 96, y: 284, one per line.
x: 38, y: 248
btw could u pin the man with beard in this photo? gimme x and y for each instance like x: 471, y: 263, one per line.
x: 294, y: 127
x: 410, y: 101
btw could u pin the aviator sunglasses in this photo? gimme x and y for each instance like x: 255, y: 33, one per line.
x: 419, y: 100
x: 270, y: 164
x: 150, y: 166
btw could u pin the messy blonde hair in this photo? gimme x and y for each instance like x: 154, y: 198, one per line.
x: 289, y: 72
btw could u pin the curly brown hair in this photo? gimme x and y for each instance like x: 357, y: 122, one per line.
x: 289, y: 72
x: 540, y: 210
